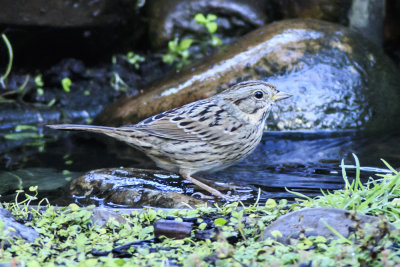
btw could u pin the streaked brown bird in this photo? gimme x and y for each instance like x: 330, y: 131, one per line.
x: 203, y: 136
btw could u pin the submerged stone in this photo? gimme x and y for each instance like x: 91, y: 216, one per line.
x: 338, y: 79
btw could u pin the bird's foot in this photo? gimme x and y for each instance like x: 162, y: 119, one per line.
x: 223, y: 186
x: 207, y: 188
x: 230, y: 187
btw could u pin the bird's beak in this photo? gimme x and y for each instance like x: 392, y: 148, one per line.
x: 280, y: 96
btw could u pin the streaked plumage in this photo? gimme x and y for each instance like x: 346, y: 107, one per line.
x: 205, y: 135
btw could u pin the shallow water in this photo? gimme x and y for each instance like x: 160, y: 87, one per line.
x: 305, y: 162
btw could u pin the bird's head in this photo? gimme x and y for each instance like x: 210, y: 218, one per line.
x: 253, y: 99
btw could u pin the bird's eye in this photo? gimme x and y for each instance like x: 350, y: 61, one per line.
x: 258, y: 94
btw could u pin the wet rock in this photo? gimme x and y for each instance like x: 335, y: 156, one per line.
x: 330, y: 10
x: 102, y: 215
x: 312, y: 222
x: 234, y: 18
x: 149, y: 197
x: 172, y: 229
x: 338, y: 79
x: 131, y: 187
x: 16, y: 229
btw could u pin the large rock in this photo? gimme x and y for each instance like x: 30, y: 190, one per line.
x: 338, y: 79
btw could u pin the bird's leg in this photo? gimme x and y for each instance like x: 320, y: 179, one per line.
x: 223, y: 186
x: 209, y: 189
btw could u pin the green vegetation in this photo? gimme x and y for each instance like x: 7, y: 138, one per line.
x: 24, y: 132
x: 134, y: 59
x: 377, y: 196
x: 10, y: 59
x: 22, y: 90
x: 39, y: 85
x: 211, y: 26
x: 30, y: 134
x: 66, y: 84
x: 178, y: 51
x: 118, y: 83
x: 229, y: 235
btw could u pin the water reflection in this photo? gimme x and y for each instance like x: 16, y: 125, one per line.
x: 307, y: 162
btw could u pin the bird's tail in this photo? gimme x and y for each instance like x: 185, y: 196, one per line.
x: 125, y: 135
x: 79, y: 127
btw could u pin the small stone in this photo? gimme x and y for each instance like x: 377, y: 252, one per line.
x: 102, y: 215
x: 16, y: 229
x: 313, y: 221
x: 172, y: 229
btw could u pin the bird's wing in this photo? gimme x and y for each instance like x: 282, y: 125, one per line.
x: 198, y: 121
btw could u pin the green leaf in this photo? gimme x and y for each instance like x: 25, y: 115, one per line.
x: 51, y: 102
x: 134, y: 59
x: 23, y: 127
x: 212, y: 27
x: 74, y: 207
x: 270, y: 203
x: 200, y: 18
x: 38, y: 80
x: 33, y: 188
x: 215, y: 41
x: 168, y: 58
x: 24, y: 135
x: 40, y: 91
x: 202, y: 226
x: 220, y: 222
x: 172, y: 45
x: 211, y: 17
x: 185, y: 44
x: 66, y: 84
x: 185, y: 54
